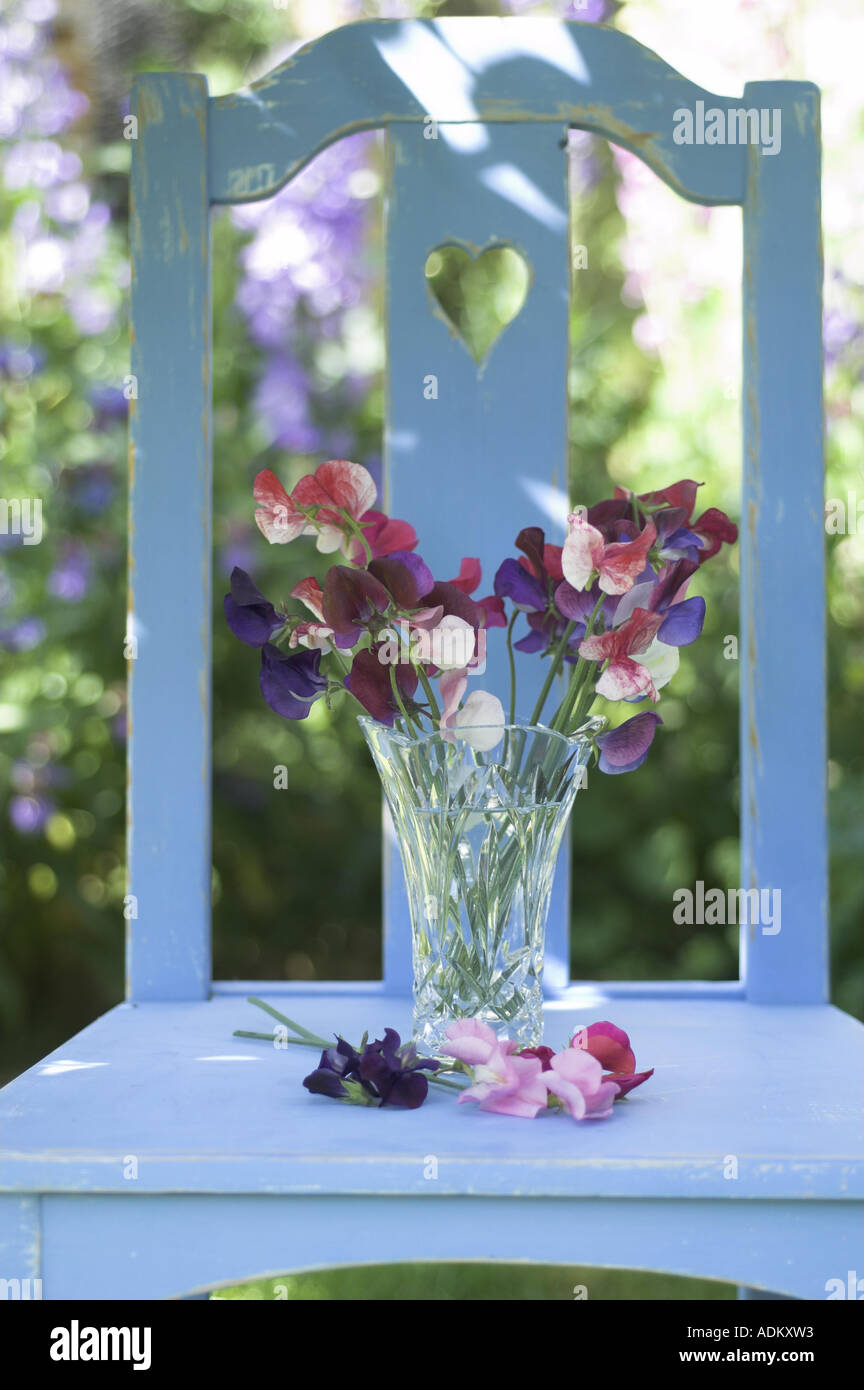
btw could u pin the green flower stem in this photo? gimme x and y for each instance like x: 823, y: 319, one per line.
x: 564, y: 715
x: 272, y: 1037
x: 430, y: 694
x: 512, y: 661
x: 312, y: 1038
x: 397, y: 696
x: 356, y: 530
x: 554, y: 667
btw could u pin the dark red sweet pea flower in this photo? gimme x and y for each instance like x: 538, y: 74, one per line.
x: 291, y: 684
x: 454, y: 602
x: 541, y: 559
x: 407, y: 578
x: 468, y: 579
x: 611, y: 1047
x: 714, y: 527
x: 248, y: 613
x: 626, y: 748
x: 543, y: 1054
x: 369, y: 682
x: 678, y: 495
x: 351, y: 598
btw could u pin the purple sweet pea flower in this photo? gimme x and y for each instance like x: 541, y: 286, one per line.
x: 336, y: 1063
x: 683, y: 622
x: 250, y: 616
x: 684, y: 618
x: 626, y: 748
x: 384, y: 1073
x: 291, y: 684
x: 514, y: 581
x: 395, y: 1072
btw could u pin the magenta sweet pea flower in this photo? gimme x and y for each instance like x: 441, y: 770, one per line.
x: 610, y: 1047
x: 383, y: 534
x: 608, y: 1044
x: 576, y: 1078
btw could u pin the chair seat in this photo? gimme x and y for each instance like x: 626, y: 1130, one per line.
x: 771, y: 1089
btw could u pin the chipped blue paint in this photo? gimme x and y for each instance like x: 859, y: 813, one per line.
x: 784, y: 757
x: 168, y: 637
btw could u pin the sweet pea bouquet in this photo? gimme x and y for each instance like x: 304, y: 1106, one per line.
x: 583, y: 1079
x: 610, y: 607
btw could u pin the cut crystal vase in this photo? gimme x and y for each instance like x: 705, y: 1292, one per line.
x: 479, y: 834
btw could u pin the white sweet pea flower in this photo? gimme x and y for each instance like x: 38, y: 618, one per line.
x: 661, y: 661
x: 480, y: 721
x: 451, y: 643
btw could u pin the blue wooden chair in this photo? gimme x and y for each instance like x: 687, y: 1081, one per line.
x: 155, y: 1155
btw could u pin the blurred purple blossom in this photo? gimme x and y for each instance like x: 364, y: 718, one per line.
x: 70, y: 577
x: 28, y: 814
x: 282, y: 397
x: 23, y: 636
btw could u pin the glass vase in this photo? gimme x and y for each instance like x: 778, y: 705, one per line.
x: 479, y: 834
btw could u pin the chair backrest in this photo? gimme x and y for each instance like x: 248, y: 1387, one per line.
x: 476, y: 113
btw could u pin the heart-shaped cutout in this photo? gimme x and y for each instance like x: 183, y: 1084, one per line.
x: 479, y: 295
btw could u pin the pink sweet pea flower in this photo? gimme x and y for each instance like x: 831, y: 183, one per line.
x: 576, y: 1078
x: 617, y: 565
x: 323, y: 504
x: 503, y: 1083
x: 276, y: 516
x: 480, y: 721
x: 624, y: 678
x: 336, y: 487
x: 471, y: 1041
x: 610, y: 1046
